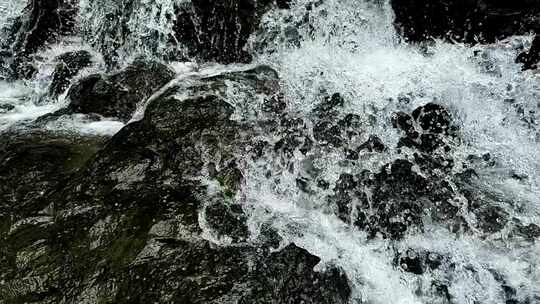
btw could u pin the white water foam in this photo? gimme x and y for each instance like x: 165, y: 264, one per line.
x: 350, y: 47
x: 10, y: 9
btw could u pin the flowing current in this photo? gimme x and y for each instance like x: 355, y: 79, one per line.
x: 351, y: 47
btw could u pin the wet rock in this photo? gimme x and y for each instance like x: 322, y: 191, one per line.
x: 293, y: 137
x: 292, y: 142
x: 419, y: 261
x: 351, y: 125
x: 228, y: 220
x: 328, y: 129
x: 351, y: 154
x: 394, y: 200
x: 373, y: 144
x: 531, y: 58
x: 396, y: 196
x: 304, y: 185
x: 33, y: 163
x: 433, y: 118
x: 258, y: 148
x: 343, y: 196
x: 441, y: 290
x: 198, y: 113
x: 301, y: 284
x: 275, y: 105
x: 529, y: 232
x: 329, y: 106
x: 427, y: 129
x: 200, y: 29
x: 69, y: 65
x: 405, y: 122
x: 328, y: 133
x: 325, y: 129
x: 466, y: 20
x: 351, y: 121
x: 118, y: 95
x: 491, y: 219
x: 282, y: 277
x: 131, y: 217
x: 283, y: 4
x: 269, y: 236
x: 430, y: 142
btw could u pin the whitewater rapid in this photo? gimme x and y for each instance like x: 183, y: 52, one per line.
x: 351, y: 47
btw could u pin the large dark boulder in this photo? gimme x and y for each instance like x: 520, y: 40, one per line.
x: 139, y: 222
x: 32, y: 165
x: 465, y: 20
x: 118, y: 95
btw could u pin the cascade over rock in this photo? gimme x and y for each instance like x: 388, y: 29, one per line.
x: 217, y: 30
x: 42, y: 21
x: 200, y: 29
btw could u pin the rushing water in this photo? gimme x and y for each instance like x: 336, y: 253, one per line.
x: 10, y: 9
x: 351, y: 47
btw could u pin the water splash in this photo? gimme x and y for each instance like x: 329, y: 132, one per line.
x: 131, y: 28
x: 351, y: 48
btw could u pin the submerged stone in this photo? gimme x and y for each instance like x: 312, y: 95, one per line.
x: 329, y: 106
x: 4, y: 108
x: 491, y: 219
x: 427, y: 129
x: 205, y: 30
x: 228, y: 220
